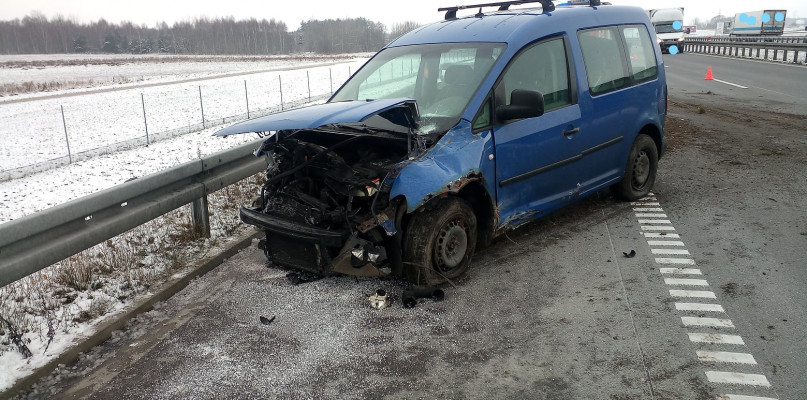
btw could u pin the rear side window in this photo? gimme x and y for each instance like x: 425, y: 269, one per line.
x: 640, y: 53
x: 605, y: 65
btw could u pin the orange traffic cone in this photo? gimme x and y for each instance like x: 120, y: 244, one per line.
x: 709, y: 76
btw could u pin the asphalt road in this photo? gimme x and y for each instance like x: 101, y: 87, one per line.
x: 772, y: 86
x: 553, y: 311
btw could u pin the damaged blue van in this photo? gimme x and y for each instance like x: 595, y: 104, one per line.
x: 459, y: 131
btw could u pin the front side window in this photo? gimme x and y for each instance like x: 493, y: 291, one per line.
x: 542, y: 68
x: 442, y: 78
x: 602, y: 55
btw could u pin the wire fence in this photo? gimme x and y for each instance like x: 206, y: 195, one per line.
x: 40, y: 135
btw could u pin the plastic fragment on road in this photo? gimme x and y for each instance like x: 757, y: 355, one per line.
x: 410, y: 296
x: 267, y: 321
x: 379, y: 300
x: 630, y: 255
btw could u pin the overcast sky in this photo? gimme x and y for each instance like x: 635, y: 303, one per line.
x: 150, y: 12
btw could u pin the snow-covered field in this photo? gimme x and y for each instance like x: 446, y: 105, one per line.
x: 32, y: 132
x: 51, y: 313
x: 88, y: 71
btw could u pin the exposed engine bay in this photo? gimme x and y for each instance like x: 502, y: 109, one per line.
x: 325, y: 206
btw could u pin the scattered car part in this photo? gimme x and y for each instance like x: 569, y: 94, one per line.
x: 410, y: 296
x: 379, y: 299
x: 267, y: 321
x: 630, y: 255
x: 300, y: 277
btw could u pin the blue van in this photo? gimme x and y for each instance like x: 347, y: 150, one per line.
x: 458, y: 131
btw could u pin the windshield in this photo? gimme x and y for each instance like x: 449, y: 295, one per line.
x: 442, y: 78
x: 666, y: 28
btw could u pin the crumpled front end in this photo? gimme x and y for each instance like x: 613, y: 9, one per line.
x: 325, y: 206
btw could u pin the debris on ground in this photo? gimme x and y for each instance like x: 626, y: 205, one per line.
x: 411, y: 296
x: 267, y: 321
x: 300, y: 277
x: 630, y: 255
x: 379, y: 300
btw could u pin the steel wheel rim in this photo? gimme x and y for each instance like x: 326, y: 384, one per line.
x: 452, y: 244
x: 641, y: 170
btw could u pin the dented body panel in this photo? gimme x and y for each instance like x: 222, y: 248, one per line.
x: 458, y: 158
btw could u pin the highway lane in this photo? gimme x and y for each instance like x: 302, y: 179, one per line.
x: 775, y: 86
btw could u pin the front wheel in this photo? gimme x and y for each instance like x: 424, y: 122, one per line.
x: 439, y: 243
x: 640, y: 171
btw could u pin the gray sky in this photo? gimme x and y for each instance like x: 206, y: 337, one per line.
x: 292, y: 13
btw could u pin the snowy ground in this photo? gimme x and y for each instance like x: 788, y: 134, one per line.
x: 45, y: 307
x: 33, y: 132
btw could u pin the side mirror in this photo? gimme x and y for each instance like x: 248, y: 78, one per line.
x: 523, y: 104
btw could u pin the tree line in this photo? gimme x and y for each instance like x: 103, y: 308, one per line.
x: 36, y: 34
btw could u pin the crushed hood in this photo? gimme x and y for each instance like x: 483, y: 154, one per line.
x: 326, y: 114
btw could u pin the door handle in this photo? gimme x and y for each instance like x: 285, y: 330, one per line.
x: 571, y: 131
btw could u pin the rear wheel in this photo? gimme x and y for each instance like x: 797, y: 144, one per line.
x: 640, y: 171
x: 439, y: 243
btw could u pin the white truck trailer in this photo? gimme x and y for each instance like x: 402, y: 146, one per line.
x: 766, y: 22
x: 669, y: 24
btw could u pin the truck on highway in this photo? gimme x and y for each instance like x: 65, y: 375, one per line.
x: 766, y: 22
x: 669, y: 25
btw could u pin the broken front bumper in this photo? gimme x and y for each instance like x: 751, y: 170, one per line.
x: 299, y: 246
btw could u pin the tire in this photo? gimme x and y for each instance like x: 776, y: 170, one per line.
x: 439, y: 243
x: 640, y: 170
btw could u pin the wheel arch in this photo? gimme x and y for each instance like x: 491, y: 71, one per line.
x: 473, y: 192
x: 655, y: 133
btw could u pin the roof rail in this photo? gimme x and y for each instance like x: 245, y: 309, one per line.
x: 451, y: 12
x: 547, y: 5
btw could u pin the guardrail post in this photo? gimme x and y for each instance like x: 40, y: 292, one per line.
x: 280, y: 84
x: 202, y: 106
x: 143, y: 102
x: 66, y: 138
x: 200, y: 214
x: 246, y: 95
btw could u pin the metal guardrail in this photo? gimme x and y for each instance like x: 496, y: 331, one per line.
x: 36, y: 241
x: 745, y: 46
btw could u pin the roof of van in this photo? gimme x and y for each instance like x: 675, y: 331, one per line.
x: 521, y: 26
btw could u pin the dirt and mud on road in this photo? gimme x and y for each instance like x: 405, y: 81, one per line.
x: 551, y: 311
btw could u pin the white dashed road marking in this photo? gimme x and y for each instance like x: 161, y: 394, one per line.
x: 655, y: 225
x: 657, y: 228
x: 661, y: 235
x: 651, y: 215
x: 732, y: 84
x: 702, y: 294
x: 726, y: 357
x: 665, y: 243
x: 681, y: 271
x: 699, y: 307
x: 715, y: 338
x: 687, y: 261
x: 741, y: 397
x: 737, y: 378
x: 670, y: 251
x: 654, y: 221
x: 686, y: 282
x: 705, y: 321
